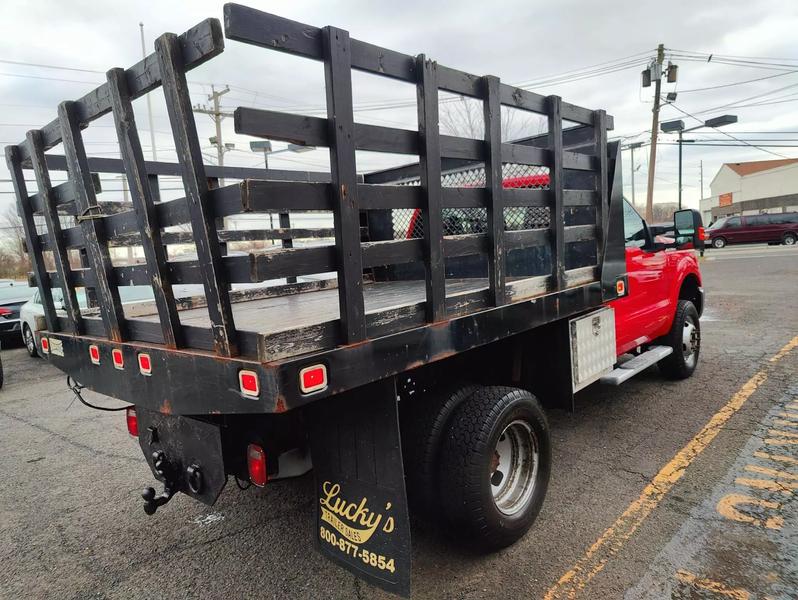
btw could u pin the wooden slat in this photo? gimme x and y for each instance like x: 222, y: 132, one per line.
x: 197, y: 45
x: 526, y: 238
x: 25, y: 211
x: 378, y: 197
x: 556, y: 187
x: 392, y: 252
x: 580, y: 233
x: 178, y: 103
x: 277, y: 196
x: 459, y: 82
x: 493, y: 187
x: 93, y: 233
x: 464, y: 148
x: 602, y: 180
x: 430, y: 173
x: 522, y: 99
x: 292, y: 261
x: 144, y: 203
x: 36, y: 148
x: 338, y: 77
x: 579, y: 197
x: 527, y: 197
x: 464, y: 197
x: 525, y: 155
x: 465, y: 244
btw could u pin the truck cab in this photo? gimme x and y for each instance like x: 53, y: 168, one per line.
x: 661, y: 272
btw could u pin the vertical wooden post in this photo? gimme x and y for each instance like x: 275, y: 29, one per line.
x: 430, y: 176
x: 31, y: 237
x: 493, y: 189
x: 285, y: 223
x: 557, y: 221
x: 94, y: 237
x: 39, y: 165
x: 602, y: 185
x: 203, y: 222
x: 141, y: 194
x: 338, y: 76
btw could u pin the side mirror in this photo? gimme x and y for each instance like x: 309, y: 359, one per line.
x: 688, y: 228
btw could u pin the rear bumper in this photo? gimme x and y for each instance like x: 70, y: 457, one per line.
x: 10, y: 326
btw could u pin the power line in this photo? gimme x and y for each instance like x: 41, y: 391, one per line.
x: 728, y: 134
x: 726, y: 85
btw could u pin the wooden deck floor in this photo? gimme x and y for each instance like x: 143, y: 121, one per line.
x: 299, y: 311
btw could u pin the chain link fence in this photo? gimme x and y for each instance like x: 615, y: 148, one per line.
x: 408, y: 222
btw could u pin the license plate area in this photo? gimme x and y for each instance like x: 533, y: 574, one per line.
x: 183, y: 452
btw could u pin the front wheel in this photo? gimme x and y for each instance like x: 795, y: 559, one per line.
x: 494, y: 467
x: 719, y: 242
x: 30, y: 342
x: 789, y: 239
x: 685, y: 339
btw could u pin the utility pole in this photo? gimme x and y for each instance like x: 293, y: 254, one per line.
x: 217, y: 115
x: 149, y: 102
x: 652, y: 160
x: 701, y: 167
x: 632, y: 150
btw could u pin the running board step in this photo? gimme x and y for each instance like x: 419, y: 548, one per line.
x: 639, y: 363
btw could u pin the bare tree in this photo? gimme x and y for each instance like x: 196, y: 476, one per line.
x: 463, y: 117
x: 13, y: 258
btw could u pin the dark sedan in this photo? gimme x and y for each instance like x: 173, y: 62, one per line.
x: 12, y: 297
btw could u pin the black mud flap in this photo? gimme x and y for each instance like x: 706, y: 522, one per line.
x: 184, y: 453
x: 361, y: 516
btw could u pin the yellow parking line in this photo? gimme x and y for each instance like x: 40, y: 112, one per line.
x: 615, y: 537
x: 779, y: 457
x: 712, y: 586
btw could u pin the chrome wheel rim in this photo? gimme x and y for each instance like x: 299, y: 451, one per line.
x: 29, y: 341
x: 691, y: 341
x: 789, y: 241
x: 514, y: 468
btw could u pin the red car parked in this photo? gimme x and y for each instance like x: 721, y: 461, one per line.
x: 779, y: 228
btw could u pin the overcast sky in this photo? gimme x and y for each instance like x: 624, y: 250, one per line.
x: 518, y: 41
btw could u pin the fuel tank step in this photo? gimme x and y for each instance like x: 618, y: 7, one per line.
x: 633, y: 366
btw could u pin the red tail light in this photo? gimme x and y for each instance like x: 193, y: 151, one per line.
x: 248, y: 382
x: 256, y: 463
x: 313, y: 379
x: 132, y: 421
x: 119, y: 360
x: 145, y: 364
x: 45, y: 345
x: 702, y: 234
x: 5, y: 311
x: 94, y: 354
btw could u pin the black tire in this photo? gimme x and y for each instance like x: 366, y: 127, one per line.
x: 789, y: 239
x: 719, y: 242
x: 681, y: 363
x: 30, y: 341
x: 423, y: 427
x: 469, y: 463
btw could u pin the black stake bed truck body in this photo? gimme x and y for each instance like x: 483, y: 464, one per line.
x: 456, y: 283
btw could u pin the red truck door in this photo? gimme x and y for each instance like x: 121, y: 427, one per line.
x: 642, y: 312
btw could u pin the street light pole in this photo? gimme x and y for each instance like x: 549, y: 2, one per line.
x: 680, y: 169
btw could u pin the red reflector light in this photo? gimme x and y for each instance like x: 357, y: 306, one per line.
x: 248, y: 382
x: 45, y: 345
x: 145, y: 364
x: 119, y: 361
x: 620, y: 287
x: 5, y: 311
x: 132, y: 421
x: 256, y: 463
x: 313, y: 379
x: 702, y: 234
x: 94, y: 354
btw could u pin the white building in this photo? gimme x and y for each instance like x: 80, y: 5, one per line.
x: 751, y: 188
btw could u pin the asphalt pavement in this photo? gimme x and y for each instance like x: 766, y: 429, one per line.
x: 660, y: 489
